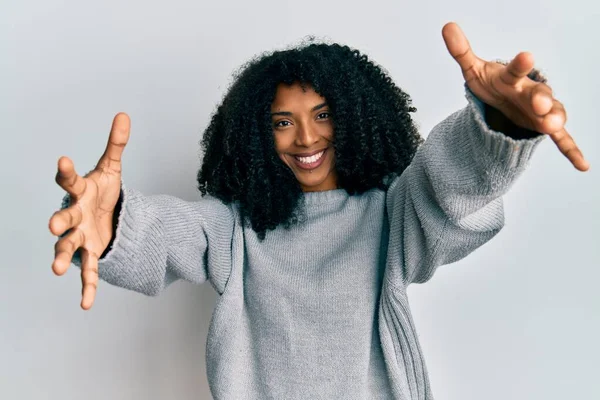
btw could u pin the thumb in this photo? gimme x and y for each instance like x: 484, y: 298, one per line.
x: 117, y: 140
x: 459, y: 48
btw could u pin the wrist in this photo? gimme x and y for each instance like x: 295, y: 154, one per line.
x: 500, y: 123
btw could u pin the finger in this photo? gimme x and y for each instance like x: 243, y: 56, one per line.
x: 542, y: 100
x: 553, y: 121
x: 68, y: 179
x: 89, y: 278
x: 64, y: 250
x: 568, y: 147
x: 65, y: 219
x: 517, y: 69
x: 459, y: 48
x: 117, y: 140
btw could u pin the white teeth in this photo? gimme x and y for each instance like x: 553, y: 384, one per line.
x: 311, y: 159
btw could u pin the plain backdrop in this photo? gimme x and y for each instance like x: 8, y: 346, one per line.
x: 517, y: 319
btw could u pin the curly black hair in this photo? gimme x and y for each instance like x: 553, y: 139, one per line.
x: 374, y: 135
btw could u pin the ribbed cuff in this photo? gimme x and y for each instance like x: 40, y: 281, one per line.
x: 514, y: 154
x: 122, y: 229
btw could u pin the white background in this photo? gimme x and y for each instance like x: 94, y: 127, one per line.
x: 517, y: 319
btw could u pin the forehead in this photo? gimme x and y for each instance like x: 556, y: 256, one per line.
x: 295, y: 96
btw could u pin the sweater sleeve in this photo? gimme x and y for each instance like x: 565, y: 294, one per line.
x: 160, y: 239
x: 448, y: 201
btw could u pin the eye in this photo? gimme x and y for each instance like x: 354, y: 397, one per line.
x: 324, y: 115
x: 282, y: 124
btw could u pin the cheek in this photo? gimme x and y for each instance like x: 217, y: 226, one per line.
x: 327, y: 132
x: 284, y: 140
x: 282, y: 158
x: 279, y: 142
x: 281, y: 146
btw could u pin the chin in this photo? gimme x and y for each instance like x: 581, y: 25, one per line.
x: 311, y: 186
x: 316, y: 183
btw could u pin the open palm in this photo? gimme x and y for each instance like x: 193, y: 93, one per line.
x: 507, y: 88
x: 90, y: 214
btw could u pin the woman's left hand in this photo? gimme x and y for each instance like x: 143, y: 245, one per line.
x: 507, y: 88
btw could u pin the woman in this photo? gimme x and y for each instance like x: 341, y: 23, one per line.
x: 321, y: 204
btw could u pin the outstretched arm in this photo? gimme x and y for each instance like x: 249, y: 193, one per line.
x: 138, y: 242
x: 525, y: 102
x: 160, y: 239
x: 448, y: 201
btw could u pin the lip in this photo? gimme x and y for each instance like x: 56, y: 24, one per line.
x: 309, y: 154
x: 314, y: 164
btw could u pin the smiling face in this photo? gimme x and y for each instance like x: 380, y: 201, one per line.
x: 303, y: 133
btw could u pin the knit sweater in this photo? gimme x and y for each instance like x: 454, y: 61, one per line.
x: 320, y: 310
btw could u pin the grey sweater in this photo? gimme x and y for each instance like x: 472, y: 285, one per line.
x: 320, y: 311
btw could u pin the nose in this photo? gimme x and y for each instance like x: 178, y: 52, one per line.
x: 306, y: 136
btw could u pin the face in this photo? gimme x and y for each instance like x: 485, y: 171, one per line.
x: 303, y: 133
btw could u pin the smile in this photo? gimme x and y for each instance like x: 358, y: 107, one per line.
x: 311, y: 159
x: 311, y: 162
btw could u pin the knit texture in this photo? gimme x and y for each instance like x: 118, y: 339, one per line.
x: 320, y: 310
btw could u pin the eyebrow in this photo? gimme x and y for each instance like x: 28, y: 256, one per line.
x: 287, y: 113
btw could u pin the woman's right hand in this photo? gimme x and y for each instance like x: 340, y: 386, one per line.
x: 90, y: 214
